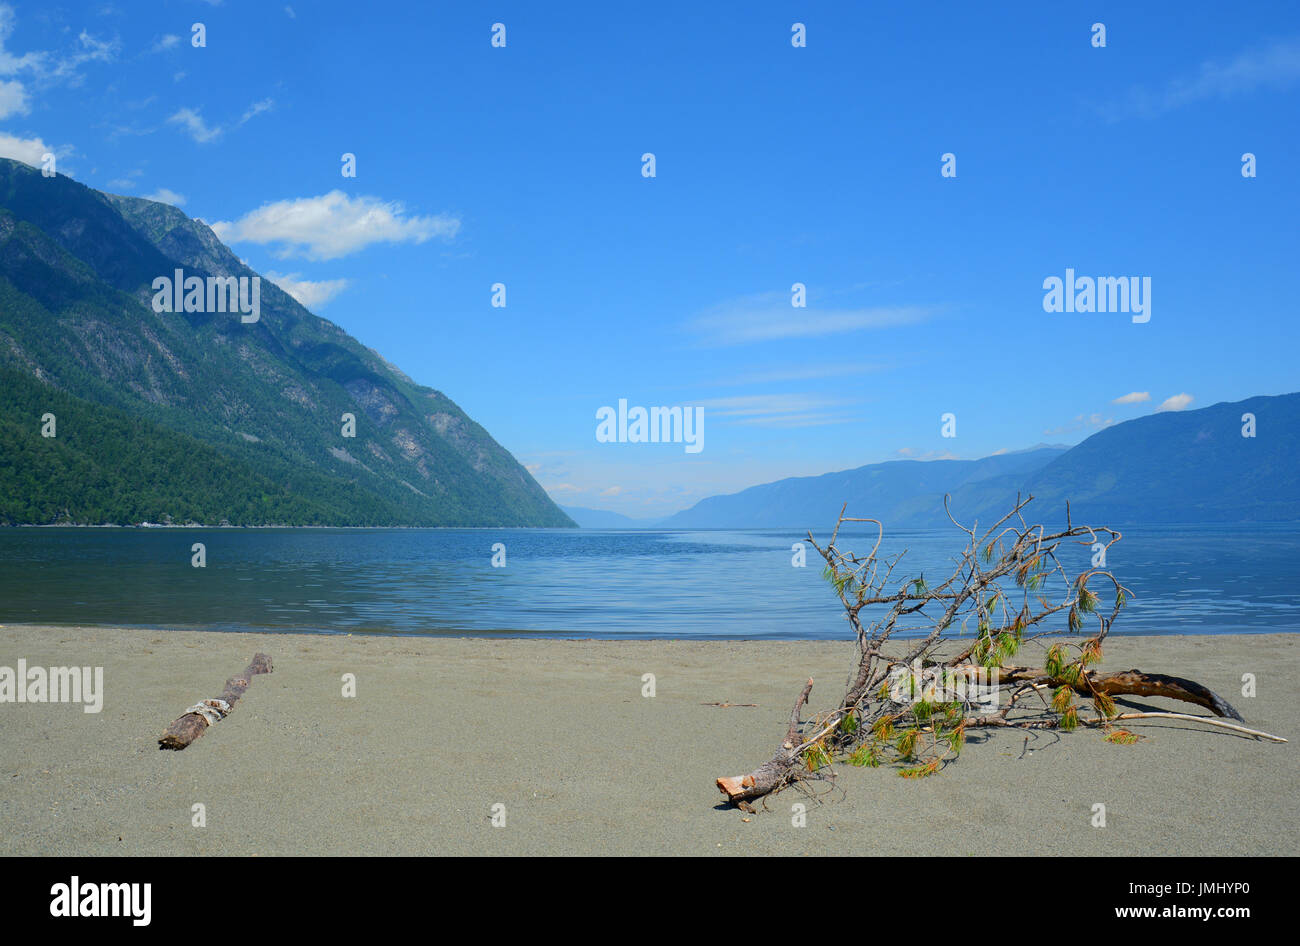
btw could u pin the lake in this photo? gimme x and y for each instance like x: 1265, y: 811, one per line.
x: 579, y: 583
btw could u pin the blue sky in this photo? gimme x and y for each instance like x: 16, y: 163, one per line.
x: 774, y: 165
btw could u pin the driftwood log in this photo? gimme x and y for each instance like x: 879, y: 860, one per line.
x: 185, y: 729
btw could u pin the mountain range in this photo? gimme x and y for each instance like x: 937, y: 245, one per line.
x: 1172, y: 466
x: 202, y: 416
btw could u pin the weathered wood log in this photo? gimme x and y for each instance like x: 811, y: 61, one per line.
x: 185, y: 729
x: 774, y: 773
x: 1131, y: 682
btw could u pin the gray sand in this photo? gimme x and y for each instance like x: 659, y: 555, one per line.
x: 559, y: 733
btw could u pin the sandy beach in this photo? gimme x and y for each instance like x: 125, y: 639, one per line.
x: 558, y: 732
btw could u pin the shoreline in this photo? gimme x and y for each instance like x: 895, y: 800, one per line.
x: 557, y: 730
x: 508, y: 633
x: 504, y: 633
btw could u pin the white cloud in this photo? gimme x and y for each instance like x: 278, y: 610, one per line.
x: 770, y: 317
x: 193, y: 123
x: 1175, y: 403
x: 165, y: 196
x: 1133, y: 397
x: 170, y: 41
x: 332, y: 225
x: 13, y: 99
x: 1276, y: 65
x: 28, y: 150
x: 310, y: 294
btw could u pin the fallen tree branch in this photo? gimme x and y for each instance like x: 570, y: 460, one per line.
x: 1187, y: 716
x: 777, y: 771
x: 196, y: 720
x: 1010, y: 583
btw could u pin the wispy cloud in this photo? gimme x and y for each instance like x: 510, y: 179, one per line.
x: 911, y: 453
x: 563, y: 488
x: 801, y: 373
x: 1175, y: 403
x: 13, y: 99
x: 778, y: 410
x: 753, y: 404
x: 1081, y: 422
x: 811, y: 419
x: 88, y: 49
x: 193, y: 123
x: 312, y: 294
x: 770, y: 317
x: 333, y: 225
x: 1133, y: 397
x: 197, y: 127
x: 42, y: 68
x: 169, y: 41
x: 11, y: 64
x: 1275, y: 65
x: 165, y: 196
x: 257, y: 108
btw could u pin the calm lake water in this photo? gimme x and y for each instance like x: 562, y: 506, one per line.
x: 567, y: 583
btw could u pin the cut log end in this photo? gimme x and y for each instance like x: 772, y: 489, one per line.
x: 734, y: 786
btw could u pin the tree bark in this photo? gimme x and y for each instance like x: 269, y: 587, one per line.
x: 773, y: 773
x: 1135, y: 682
x: 185, y: 729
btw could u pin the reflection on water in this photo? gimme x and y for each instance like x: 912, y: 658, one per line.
x: 1187, y: 579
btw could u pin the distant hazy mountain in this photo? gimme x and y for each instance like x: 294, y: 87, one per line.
x: 197, y: 415
x: 1184, y: 466
x: 898, y: 492
x: 1187, y: 466
x: 603, y: 519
